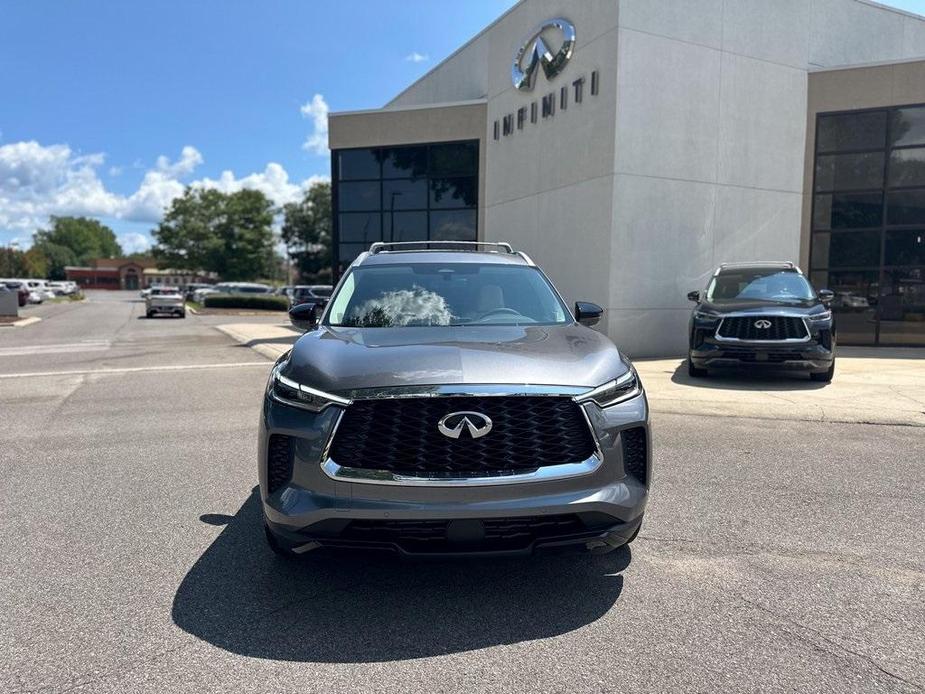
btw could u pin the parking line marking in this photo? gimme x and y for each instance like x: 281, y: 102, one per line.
x: 139, y: 369
x: 86, y: 346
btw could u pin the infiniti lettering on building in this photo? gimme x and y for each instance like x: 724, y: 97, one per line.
x: 530, y: 57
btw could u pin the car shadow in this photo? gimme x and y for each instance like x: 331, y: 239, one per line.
x: 746, y: 379
x: 242, y: 598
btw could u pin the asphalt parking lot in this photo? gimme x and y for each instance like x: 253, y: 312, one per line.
x: 776, y: 555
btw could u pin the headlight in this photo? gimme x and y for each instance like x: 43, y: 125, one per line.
x: 622, y: 389
x: 821, y: 317
x: 706, y: 315
x: 295, y: 394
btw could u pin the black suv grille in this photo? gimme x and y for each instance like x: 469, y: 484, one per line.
x: 780, y: 328
x: 401, y: 435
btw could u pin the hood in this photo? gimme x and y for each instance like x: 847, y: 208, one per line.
x: 342, y: 359
x: 758, y: 306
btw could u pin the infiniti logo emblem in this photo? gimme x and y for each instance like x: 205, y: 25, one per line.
x: 762, y: 324
x: 476, y: 423
x: 534, y: 52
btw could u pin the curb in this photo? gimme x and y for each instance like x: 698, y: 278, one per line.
x: 268, y: 351
x: 191, y: 310
x: 31, y: 320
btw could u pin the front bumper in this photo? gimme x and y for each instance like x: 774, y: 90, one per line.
x: 598, y: 507
x: 810, y: 356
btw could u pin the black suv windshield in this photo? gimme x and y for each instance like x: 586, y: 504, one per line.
x: 429, y: 294
x: 759, y: 284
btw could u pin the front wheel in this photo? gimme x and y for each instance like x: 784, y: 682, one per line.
x: 825, y: 376
x: 693, y: 371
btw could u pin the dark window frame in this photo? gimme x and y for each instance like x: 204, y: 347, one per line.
x: 881, y: 269
x: 427, y: 177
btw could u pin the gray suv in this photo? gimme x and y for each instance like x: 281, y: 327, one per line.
x: 447, y: 402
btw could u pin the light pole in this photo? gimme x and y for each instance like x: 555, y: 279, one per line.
x: 14, y: 246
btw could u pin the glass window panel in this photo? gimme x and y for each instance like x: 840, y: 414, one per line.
x: 457, y: 159
x: 854, y: 249
x: 358, y: 197
x: 405, y: 226
x: 852, y: 131
x: 906, y: 207
x: 849, y: 171
x: 404, y: 162
x: 363, y: 227
x: 905, y: 247
x: 453, y: 225
x: 820, y: 252
x: 357, y: 163
x: 848, y: 211
x: 907, y: 127
x: 855, y: 304
x: 907, y: 167
x: 902, y: 307
x: 453, y: 192
x: 404, y: 195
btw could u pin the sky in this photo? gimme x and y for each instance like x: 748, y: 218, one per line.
x: 109, y: 109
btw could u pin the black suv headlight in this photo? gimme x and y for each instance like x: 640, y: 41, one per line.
x: 288, y: 392
x: 613, y: 392
x: 706, y: 316
x: 817, y: 318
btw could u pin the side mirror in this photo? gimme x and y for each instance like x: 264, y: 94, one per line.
x: 693, y: 296
x: 826, y: 295
x: 587, y: 313
x: 304, y: 316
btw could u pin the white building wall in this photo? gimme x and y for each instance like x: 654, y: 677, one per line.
x: 710, y: 140
x: 692, y: 154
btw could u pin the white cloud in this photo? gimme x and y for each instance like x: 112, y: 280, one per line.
x: 115, y: 171
x: 133, y: 242
x: 317, y: 109
x: 415, y: 57
x: 37, y: 181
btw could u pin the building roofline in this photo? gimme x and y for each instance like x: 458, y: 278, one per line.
x: 860, y: 66
x: 453, y: 54
x: 410, y: 107
x: 890, y: 8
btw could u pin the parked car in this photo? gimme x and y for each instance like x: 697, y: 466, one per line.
x: 41, y: 287
x: 59, y: 288
x: 463, y: 406
x: 318, y: 294
x: 285, y: 291
x: 200, y: 294
x: 243, y: 288
x: 165, y: 300
x: 763, y: 315
x: 21, y: 289
x: 190, y: 289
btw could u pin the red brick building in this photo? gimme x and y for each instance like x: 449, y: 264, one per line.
x: 130, y: 274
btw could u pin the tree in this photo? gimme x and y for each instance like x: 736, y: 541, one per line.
x: 56, y: 258
x: 85, y: 238
x: 307, y: 228
x: 230, y: 234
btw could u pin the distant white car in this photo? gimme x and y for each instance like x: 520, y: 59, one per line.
x: 60, y: 288
x: 165, y: 300
x: 200, y: 294
x: 40, y: 286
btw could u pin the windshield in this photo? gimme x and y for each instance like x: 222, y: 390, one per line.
x: 759, y: 284
x: 429, y: 294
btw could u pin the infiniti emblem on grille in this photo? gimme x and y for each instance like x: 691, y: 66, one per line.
x: 762, y: 324
x: 452, y: 425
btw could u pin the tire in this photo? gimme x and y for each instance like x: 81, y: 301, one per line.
x: 150, y: 314
x: 693, y: 371
x: 275, y: 547
x: 825, y: 376
x: 183, y: 314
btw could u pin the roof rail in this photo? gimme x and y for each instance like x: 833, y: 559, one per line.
x: 380, y: 246
x: 759, y: 263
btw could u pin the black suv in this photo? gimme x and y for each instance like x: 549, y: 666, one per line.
x: 763, y: 315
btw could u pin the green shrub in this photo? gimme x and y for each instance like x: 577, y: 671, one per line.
x: 261, y: 302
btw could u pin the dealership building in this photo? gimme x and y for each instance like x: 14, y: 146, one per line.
x: 631, y: 146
